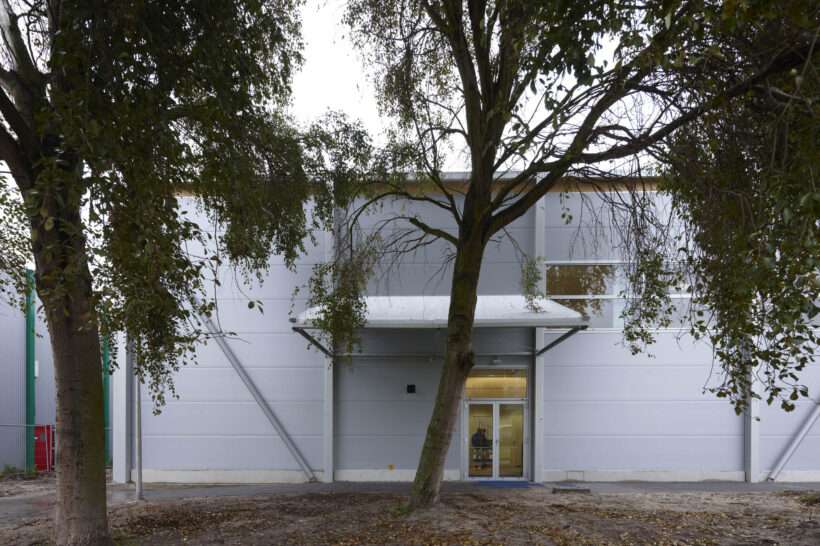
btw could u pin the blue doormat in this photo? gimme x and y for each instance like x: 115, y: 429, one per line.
x: 504, y: 484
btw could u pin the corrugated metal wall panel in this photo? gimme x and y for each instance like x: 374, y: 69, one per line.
x: 228, y: 452
x: 777, y: 428
x: 46, y: 410
x: 607, y: 410
x: 12, y: 386
x: 215, y: 423
x: 379, y: 425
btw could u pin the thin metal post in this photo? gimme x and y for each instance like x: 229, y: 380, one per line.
x: 31, y: 392
x: 751, y: 430
x: 56, y: 447
x: 122, y: 410
x: 106, y: 364
x: 52, y: 451
x: 138, y: 436
x: 537, y: 388
x: 328, y: 465
x: 539, y: 445
x: 332, y: 251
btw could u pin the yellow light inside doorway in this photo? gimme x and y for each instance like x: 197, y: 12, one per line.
x: 494, y: 383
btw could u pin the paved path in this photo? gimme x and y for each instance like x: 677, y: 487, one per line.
x: 21, y: 507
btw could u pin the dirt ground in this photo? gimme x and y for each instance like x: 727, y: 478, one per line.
x: 531, y: 516
x: 21, y: 483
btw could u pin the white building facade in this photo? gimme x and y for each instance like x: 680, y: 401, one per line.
x: 586, y: 409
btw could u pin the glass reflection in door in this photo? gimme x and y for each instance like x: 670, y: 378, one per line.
x: 481, y: 440
x: 511, y: 440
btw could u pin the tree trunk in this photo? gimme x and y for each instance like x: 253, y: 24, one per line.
x: 81, y: 501
x: 64, y: 285
x: 458, y: 362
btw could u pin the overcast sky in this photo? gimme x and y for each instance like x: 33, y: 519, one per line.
x: 332, y: 77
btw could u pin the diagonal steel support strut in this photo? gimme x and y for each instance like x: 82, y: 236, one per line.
x: 795, y: 442
x: 313, y: 341
x: 564, y: 337
x: 219, y: 337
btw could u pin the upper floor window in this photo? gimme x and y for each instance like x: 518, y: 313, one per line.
x: 583, y: 279
x: 595, y: 289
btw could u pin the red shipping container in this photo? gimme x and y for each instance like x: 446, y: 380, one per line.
x: 44, y: 448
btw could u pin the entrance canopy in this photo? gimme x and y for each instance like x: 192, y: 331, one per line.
x: 431, y: 312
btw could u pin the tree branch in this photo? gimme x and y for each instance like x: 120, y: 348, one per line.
x: 435, y: 232
x: 16, y: 121
x: 18, y: 52
x: 781, y: 63
x: 14, y: 157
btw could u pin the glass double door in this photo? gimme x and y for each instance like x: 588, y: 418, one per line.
x: 496, y: 439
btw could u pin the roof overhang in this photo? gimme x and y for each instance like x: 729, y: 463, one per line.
x: 506, y: 311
